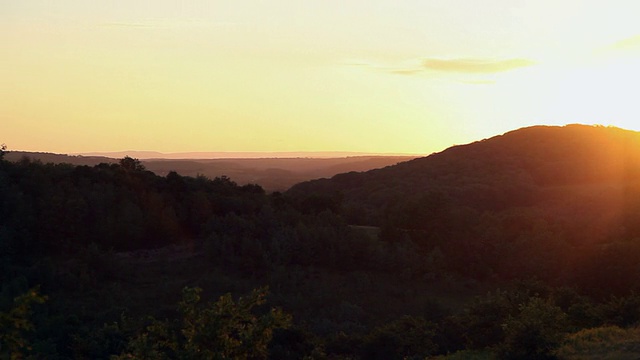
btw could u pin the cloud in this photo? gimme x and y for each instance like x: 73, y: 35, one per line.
x: 162, y: 23
x: 406, y: 71
x: 632, y: 43
x: 475, y: 66
x: 358, y: 63
x: 472, y: 68
x: 125, y: 25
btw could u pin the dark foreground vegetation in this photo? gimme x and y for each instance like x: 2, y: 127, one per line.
x: 517, y: 247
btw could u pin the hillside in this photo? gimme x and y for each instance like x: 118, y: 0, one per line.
x: 533, y: 166
x: 491, y: 200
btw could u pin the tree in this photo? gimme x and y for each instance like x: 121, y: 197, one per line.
x: 221, y: 330
x: 535, y: 332
x: 131, y: 164
x: 3, y: 149
x: 15, y: 323
x: 408, y: 337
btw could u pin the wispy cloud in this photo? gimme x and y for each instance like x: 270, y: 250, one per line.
x: 412, y: 71
x: 359, y: 63
x: 125, y: 25
x: 475, y: 71
x: 475, y: 66
x: 632, y: 43
x: 161, y: 23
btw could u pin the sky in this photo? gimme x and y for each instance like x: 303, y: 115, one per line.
x: 375, y: 76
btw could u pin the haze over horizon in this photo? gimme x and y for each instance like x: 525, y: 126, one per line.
x: 252, y: 76
x: 238, y: 154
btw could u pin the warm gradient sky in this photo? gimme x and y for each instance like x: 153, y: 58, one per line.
x: 294, y: 75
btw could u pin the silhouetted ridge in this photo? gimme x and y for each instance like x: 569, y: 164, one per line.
x: 558, y: 203
x: 273, y: 174
x: 503, y: 171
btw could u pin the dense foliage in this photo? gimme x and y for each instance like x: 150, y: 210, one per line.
x: 483, y: 251
x: 222, y: 330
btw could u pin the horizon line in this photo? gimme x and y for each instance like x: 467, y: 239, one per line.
x: 201, y: 155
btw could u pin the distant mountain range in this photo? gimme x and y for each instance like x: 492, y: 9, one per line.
x: 272, y: 173
x: 148, y: 155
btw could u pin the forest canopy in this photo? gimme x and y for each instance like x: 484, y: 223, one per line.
x: 520, y: 246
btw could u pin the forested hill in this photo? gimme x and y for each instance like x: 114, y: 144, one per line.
x: 520, y: 168
x: 559, y: 203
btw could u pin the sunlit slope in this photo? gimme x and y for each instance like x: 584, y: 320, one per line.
x: 576, y: 171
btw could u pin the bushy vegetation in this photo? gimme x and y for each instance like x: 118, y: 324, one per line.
x: 607, y: 342
x: 221, y: 330
x: 469, y: 254
x: 16, y: 324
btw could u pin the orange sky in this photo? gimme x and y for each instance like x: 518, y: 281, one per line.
x: 290, y: 75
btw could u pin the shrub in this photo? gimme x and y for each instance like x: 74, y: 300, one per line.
x: 535, y: 332
x: 608, y: 343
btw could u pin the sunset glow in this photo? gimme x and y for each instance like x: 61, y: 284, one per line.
x: 367, y: 76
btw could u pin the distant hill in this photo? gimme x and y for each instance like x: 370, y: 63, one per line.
x: 203, y: 155
x: 514, y: 169
x: 273, y: 174
x: 542, y: 200
x: 58, y: 158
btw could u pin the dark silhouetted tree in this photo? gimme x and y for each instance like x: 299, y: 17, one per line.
x: 131, y: 164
